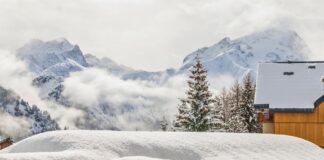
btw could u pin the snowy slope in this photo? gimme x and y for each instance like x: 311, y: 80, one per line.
x: 109, y: 145
x: 125, y: 72
x: 238, y: 56
x: 107, y: 64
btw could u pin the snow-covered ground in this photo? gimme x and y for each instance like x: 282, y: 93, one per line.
x: 109, y: 145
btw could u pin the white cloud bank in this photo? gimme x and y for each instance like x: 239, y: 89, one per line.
x: 132, y: 104
x: 14, y: 127
x: 15, y: 76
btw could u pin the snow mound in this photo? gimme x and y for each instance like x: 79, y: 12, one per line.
x: 113, y: 145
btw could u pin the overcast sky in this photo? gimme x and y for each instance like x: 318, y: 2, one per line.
x: 154, y: 34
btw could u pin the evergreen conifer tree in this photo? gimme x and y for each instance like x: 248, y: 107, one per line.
x: 181, y: 122
x: 236, y: 121
x: 247, y: 105
x: 195, y: 110
x: 164, y: 124
x: 217, y: 116
x: 224, y: 102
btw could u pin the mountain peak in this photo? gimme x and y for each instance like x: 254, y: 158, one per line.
x: 37, y: 47
x: 272, y: 34
x: 238, y: 56
x: 50, y: 57
x: 225, y: 41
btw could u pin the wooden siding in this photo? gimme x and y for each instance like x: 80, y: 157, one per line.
x: 5, y: 143
x: 309, y: 126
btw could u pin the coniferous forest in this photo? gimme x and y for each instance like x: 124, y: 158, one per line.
x: 230, y: 111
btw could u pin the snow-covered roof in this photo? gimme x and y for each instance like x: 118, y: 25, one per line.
x: 290, y: 86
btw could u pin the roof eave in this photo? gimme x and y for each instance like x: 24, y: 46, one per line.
x: 290, y: 110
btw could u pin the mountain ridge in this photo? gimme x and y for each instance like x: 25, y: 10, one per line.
x: 242, y: 54
x: 57, y: 59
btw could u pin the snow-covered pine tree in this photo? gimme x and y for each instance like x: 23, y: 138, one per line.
x: 247, y: 105
x: 164, y: 124
x: 236, y: 121
x: 198, y: 102
x: 224, y: 102
x: 217, y: 116
x: 181, y: 122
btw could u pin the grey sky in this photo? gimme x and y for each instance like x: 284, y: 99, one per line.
x: 154, y: 34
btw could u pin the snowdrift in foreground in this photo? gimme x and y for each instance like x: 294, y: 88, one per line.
x: 116, y: 145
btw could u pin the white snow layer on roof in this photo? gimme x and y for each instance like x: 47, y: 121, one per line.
x: 115, y: 145
x: 299, y: 90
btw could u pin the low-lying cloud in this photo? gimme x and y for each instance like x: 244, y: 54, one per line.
x: 15, y: 76
x: 14, y: 127
x: 114, y: 102
x: 133, y: 104
x: 130, y: 101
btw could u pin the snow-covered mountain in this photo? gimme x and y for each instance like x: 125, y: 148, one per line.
x: 55, y: 58
x: 241, y: 55
x: 107, y: 64
x: 53, y: 61
x: 234, y: 57
x: 40, y: 121
x: 128, y: 73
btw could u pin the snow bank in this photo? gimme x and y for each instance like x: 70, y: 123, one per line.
x: 114, y: 145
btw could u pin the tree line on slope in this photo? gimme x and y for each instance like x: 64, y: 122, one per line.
x: 11, y: 104
x: 230, y: 111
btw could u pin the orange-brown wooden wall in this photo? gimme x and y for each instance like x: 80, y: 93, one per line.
x: 309, y: 126
x: 5, y: 144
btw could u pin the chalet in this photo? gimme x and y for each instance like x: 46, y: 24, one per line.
x: 289, y: 99
x: 5, y: 143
